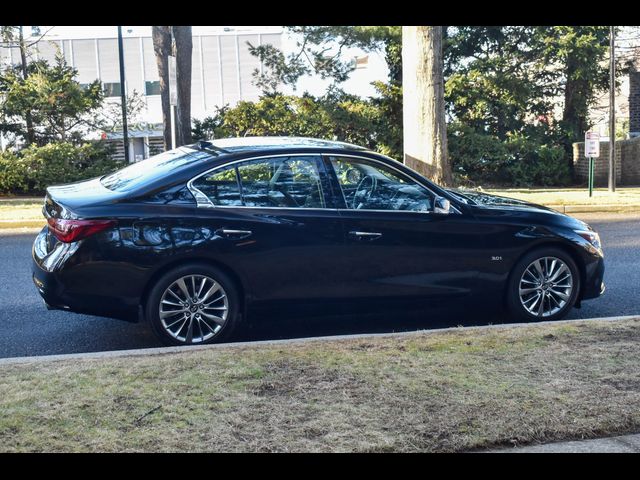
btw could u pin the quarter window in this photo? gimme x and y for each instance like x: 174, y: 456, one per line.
x: 369, y: 185
x: 286, y: 182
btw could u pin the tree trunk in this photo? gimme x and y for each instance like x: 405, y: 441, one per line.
x: 576, y: 110
x: 162, y: 48
x: 31, y: 134
x: 424, y: 124
x: 183, y: 53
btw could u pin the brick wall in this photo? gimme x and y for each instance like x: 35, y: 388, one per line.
x: 627, y: 157
x: 634, y: 102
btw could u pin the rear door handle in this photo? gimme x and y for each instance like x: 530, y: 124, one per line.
x: 370, y: 236
x: 234, y: 234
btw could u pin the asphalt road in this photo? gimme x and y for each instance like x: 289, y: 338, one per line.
x: 28, y: 328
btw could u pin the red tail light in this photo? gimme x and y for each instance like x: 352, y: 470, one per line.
x: 73, y: 230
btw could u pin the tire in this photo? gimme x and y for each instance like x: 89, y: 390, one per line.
x: 181, y: 319
x: 524, y: 305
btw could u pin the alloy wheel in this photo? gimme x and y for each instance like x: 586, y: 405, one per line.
x: 193, y: 309
x: 546, y: 286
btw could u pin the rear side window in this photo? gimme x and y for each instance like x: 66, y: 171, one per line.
x: 285, y: 182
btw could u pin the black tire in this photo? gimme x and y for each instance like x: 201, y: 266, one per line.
x: 515, y: 307
x: 233, y: 317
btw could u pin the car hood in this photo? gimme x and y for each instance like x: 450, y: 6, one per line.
x: 496, y: 205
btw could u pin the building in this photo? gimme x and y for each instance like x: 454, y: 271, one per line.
x: 222, y: 69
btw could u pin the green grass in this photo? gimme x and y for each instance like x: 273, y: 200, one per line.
x: 445, y: 391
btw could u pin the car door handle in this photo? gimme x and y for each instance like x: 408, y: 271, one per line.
x: 365, y: 235
x: 235, y: 234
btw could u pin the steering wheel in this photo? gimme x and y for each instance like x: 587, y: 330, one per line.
x: 367, y: 190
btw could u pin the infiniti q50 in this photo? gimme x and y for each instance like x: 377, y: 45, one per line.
x: 197, y: 238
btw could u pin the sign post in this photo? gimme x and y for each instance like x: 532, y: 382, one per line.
x: 173, y: 97
x: 591, y: 151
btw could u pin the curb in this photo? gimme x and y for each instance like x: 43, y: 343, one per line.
x: 606, y: 208
x: 143, y: 352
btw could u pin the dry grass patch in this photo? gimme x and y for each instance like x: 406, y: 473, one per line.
x: 574, y: 196
x: 449, y: 391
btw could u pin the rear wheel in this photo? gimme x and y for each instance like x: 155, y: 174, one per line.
x: 193, y: 305
x: 543, y: 285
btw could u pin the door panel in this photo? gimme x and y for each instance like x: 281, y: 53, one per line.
x: 395, y: 246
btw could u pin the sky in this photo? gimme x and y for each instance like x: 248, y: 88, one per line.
x: 359, y: 83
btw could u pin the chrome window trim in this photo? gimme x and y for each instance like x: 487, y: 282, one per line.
x: 202, y: 201
x: 453, y: 207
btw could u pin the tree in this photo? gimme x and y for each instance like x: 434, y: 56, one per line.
x: 425, y: 134
x: 14, y: 36
x: 182, y: 50
x: 161, y: 36
x: 59, y: 107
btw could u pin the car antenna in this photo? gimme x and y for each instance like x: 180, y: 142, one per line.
x: 210, y: 147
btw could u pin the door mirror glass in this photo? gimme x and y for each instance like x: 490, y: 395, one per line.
x: 441, y: 205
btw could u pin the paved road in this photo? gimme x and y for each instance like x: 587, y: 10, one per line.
x: 27, y: 328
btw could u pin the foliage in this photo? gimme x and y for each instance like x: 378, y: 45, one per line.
x: 35, y: 168
x: 60, y: 107
x: 335, y: 116
x: 519, y: 160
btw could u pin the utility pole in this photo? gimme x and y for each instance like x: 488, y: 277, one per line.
x: 123, y: 97
x: 612, y: 111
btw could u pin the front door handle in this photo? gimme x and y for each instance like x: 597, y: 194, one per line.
x: 234, y: 234
x: 370, y: 236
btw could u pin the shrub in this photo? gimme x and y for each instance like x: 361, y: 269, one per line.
x: 520, y: 160
x: 35, y: 168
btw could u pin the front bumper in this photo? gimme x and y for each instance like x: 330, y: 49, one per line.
x: 594, y: 280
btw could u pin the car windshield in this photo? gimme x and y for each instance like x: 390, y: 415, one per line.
x: 151, y: 169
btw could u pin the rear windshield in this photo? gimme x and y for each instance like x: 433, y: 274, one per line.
x: 152, y: 169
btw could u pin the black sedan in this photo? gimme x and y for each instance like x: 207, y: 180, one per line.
x: 196, y: 239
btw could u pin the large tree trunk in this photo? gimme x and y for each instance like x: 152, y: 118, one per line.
x: 162, y: 48
x: 31, y: 133
x: 183, y: 52
x: 424, y: 125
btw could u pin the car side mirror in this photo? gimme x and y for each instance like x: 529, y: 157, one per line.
x: 441, y: 205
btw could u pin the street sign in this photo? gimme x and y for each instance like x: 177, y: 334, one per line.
x: 591, y: 144
x: 591, y: 151
x: 173, y: 81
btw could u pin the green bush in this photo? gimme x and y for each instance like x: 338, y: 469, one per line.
x: 35, y: 168
x: 520, y: 160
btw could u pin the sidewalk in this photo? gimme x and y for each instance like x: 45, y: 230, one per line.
x: 622, y: 444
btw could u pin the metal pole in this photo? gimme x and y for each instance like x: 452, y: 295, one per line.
x: 591, y: 172
x: 612, y: 111
x: 123, y: 97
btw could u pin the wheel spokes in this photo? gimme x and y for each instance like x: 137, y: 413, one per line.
x: 546, y: 286
x: 187, y: 314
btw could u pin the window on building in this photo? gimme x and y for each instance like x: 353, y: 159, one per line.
x: 152, y: 88
x: 112, y: 89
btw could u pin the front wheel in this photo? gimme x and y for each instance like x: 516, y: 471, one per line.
x: 543, y: 285
x: 193, y: 304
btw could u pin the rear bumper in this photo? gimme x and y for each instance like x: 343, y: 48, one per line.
x: 52, y: 271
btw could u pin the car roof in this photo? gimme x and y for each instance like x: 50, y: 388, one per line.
x: 249, y: 144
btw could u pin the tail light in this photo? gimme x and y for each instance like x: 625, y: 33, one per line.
x: 68, y: 231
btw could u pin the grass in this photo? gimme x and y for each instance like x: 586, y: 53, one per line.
x: 448, y: 391
x: 574, y: 196
x: 21, y: 213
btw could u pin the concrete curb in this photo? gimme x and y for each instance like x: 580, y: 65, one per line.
x: 172, y: 350
x: 618, y: 444
x: 606, y: 208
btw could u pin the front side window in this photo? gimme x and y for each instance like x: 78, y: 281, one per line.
x: 369, y: 185
x: 286, y: 182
